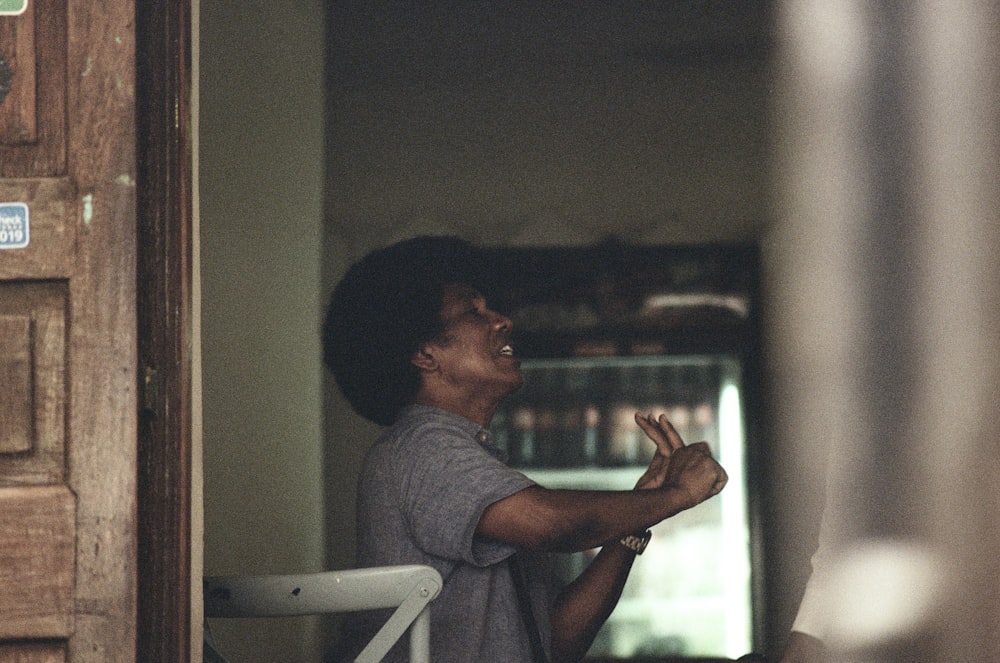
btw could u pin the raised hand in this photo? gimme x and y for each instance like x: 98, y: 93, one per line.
x: 666, y: 439
x: 688, y: 468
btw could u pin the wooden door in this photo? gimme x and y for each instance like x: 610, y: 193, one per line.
x: 67, y: 332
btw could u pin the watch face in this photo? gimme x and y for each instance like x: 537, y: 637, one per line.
x: 637, y: 543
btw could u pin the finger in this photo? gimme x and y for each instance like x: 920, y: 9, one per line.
x: 673, y: 437
x: 654, y: 474
x: 720, y: 481
x: 654, y: 432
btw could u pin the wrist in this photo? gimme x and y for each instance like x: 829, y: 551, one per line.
x: 678, y: 498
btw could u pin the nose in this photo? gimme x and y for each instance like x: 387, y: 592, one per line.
x: 502, y: 322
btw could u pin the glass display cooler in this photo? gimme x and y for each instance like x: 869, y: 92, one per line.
x: 610, y: 330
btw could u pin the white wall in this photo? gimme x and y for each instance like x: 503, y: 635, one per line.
x: 261, y: 215
x: 885, y: 319
x: 549, y: 126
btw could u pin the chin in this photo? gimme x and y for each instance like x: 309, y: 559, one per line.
x: 515, y: 385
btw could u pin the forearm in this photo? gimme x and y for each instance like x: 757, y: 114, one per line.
x: 585, y: 604
x: 572, y: 520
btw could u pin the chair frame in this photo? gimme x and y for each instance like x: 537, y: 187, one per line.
x: 408, y: 588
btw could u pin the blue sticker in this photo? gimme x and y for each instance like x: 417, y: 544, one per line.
x: 13, y: 225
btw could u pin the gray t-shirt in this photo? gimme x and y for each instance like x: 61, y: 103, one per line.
x: 424, y: 486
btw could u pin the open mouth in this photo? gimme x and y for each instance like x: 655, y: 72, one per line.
x: 507, y: 350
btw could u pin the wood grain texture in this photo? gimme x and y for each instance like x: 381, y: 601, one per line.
x: 165, y: 314
x: 50, y: 252
x: 32, y: 652
x: 17, y: 113
x: 102, y: 339
x: 42, y: 306
x: 17, y: 405
x: 68, y: 513
x: 33, y: 116
x: 36, y: 546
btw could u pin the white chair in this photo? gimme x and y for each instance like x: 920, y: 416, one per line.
x: 409, y: 589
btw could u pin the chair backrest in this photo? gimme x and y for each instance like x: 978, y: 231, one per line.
x: 409, y: 589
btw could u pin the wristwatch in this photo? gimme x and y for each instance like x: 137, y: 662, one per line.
x: 637, y: 542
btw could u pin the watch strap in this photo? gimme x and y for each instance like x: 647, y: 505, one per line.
x: 637, y: 542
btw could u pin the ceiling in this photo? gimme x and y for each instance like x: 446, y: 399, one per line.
x: 384, y: 43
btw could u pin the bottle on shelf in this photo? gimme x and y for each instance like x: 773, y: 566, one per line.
x: 572, y: 416
x: 521, y: 421
x: 591, y: 434
x: 500, y: 426
x: 548, y: 402
x: 704, y: 402
x: 622, y: 439
x: 595, y: 396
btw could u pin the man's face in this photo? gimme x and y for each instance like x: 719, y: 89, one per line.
x: 474, y: 352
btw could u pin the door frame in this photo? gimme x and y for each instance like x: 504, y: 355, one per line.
x: 165, y: 177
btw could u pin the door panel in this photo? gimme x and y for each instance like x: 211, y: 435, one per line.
x: 17, y: 125
x: 37, y: 507
x: 37, y: 574
x: 33, y: 114
x: 34, y: 652
x: 33, y: 372
x: 51, y: 245
x: 67, y: 334
x: 16, y: 375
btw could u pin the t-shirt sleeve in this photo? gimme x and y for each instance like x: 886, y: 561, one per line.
x: 813, y: 612
x: 449, y: 483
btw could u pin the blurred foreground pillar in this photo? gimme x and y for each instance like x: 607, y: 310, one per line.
x: 883, y: 277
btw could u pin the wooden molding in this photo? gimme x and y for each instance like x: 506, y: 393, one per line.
x: 164, y: 308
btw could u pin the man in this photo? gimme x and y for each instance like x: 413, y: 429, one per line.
x: 413, y: 345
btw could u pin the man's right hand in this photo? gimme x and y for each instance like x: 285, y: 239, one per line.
x: 689, y: 469
x: 693, y: 472
x: 679, y: 477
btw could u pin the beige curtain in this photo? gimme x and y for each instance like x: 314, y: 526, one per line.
x: 883, y: 275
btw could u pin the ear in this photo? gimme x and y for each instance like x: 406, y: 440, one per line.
x: 424, y: 358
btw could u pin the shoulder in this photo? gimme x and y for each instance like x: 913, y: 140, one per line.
x: 421, y: 426
x: 419, y: 436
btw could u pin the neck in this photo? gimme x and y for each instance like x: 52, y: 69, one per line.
x: 479, y: 412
